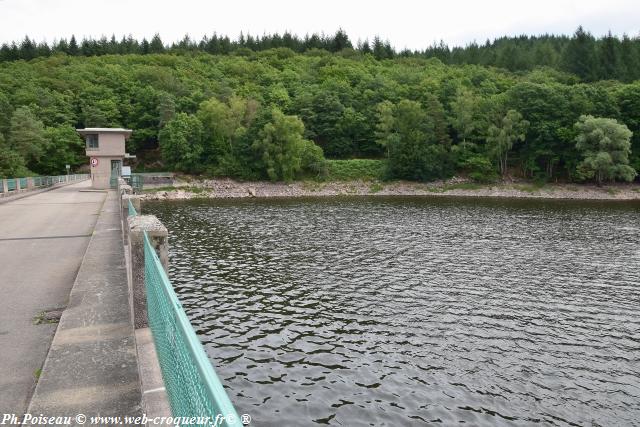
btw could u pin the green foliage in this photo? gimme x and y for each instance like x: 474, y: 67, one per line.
x: 414, y: 150
x: 218, y: 96
x: 604, y: 145
x: 64, y: 147
x: 323, y: 112
x: 11, y: 163
x: 181, y: 143
x: 6, y: 110
x: 99, y: 107
x: 225, y: 126
x: 376, y: 187
x: 354, y: 169
x: 27, y: 136
x: 385, y: 124
x: 551, y: 111
x: 479, y: 168
x: 501, y: 138
x: 463, y: 109
x: 280, y: 146
x: 312, y: 160
x: 580, y: 55
x: 589, y: 58
x: 628, y: 100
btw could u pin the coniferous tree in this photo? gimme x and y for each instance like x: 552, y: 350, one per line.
x: 112, y: 46
x: 73, y: 46
x: 156, y: 45
x: 340, y: 41
x: 27, y: 49
x: 62, y: 46
x: 609, y: 58
x: 365, y: 47
x: 378, y: 48
x: 590, y: 59
x: 629, y: 60
x: 580, y: 55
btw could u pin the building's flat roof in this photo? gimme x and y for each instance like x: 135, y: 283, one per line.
x: 86, y: 131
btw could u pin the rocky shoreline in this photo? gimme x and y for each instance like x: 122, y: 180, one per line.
x: 228, y: 188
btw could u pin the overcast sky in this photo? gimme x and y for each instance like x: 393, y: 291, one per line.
x: 412, y: 24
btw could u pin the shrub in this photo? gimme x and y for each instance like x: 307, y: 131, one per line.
x: 480, y: 169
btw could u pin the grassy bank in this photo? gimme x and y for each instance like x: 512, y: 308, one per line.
x: 355, y: 169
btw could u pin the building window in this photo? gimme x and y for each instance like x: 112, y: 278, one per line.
x: 92, y: 142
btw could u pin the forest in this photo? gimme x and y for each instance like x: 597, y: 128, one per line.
x: 277, y: 107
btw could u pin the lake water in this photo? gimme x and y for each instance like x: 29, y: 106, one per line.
x: 415, y: 311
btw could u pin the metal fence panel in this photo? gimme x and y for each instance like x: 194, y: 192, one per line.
x: 192, y: 385
x: 40, y: 181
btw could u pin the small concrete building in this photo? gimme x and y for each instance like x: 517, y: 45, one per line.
x: 106, y: 149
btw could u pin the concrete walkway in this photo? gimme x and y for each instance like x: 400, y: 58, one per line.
x: 42, y: 241
x: 92, y: 368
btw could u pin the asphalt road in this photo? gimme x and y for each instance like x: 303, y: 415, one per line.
x: 42, y: 241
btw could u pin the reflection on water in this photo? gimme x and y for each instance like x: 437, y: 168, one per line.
x: 408, y: 311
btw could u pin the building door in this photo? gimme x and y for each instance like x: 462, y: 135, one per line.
x: 116, y: 168
x: 116, y: 172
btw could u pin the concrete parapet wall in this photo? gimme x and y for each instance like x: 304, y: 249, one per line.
x: 158, y: 237
x: 154, y: 397
x: 124, y: 206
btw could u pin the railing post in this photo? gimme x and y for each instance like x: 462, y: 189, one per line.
x: 124, y: 206
x: 30, y: 183
x: 5, y: 186
x: 17, y: 184
x: 158, y: 237
x: 122, y: 187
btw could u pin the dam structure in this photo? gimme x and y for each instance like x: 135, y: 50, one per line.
x: 90, y: 322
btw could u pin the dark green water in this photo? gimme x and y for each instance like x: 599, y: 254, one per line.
x: 415, y: 311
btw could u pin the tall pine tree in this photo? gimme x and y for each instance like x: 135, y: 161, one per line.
x: 580, y: 55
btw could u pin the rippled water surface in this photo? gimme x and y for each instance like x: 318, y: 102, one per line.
x: 398, y: 312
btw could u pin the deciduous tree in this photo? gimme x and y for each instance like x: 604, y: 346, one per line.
x: 281, y: 145
x: 181, y: 143
x: 27, y: 136
x: 605, y: 146
x: 501, y: 138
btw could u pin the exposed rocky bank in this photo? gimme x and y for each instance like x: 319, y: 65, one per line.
x: 227, y: 188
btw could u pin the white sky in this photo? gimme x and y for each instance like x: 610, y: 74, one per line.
x: 413, y: 24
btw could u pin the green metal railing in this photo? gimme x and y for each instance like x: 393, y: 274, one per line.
x: 11, y: 184
x: 132, y: 210
x: 192, y: 385
x: 137, y: 182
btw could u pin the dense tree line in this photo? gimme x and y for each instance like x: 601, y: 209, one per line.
x: 583, y: 55
x: 277, y: 113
